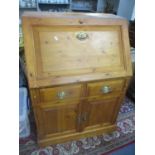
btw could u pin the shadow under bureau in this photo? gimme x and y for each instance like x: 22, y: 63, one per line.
x: 78, y: 68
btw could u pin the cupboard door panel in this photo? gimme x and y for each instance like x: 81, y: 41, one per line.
x: 102, y: 111
x: 58, y: 119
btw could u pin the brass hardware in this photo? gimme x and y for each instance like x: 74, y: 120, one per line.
x: 106, y: 89
x: 81, y: 35
x: 61, y: 95
x: 84, y: 118
x: 79, y: 119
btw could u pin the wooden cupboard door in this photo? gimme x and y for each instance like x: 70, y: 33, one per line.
x: 102, y: 112
x: 57, y: 119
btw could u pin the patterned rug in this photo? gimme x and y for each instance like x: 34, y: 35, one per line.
x: 96, y: 145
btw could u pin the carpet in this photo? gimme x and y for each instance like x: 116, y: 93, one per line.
x: 97, y: 145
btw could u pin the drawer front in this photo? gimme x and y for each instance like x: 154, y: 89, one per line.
x: 60, y: 93
x: 105, y: 88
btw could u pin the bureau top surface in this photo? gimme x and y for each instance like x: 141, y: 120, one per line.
x: 63, y: 48
x: 34, y: 14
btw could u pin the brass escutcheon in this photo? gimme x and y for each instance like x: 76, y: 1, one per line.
x: 81, y: 35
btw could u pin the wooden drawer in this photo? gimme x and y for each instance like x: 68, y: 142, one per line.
x: 105, y: 88
x: 60, y: 93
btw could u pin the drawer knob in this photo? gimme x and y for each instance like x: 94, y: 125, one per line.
x: 81, y: 35
x: 61, y: 95
x: 106, y: 89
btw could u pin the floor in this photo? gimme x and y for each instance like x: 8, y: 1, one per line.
x: 127, y: 150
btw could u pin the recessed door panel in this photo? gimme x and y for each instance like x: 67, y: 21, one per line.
x: 66, y: 51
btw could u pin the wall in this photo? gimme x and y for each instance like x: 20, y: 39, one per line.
x: 125, y: 8
x: 133, y: 14
x: 100, y: 5
x: 116, y: 5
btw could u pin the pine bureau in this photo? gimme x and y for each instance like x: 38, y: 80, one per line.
x: 78, y: 69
